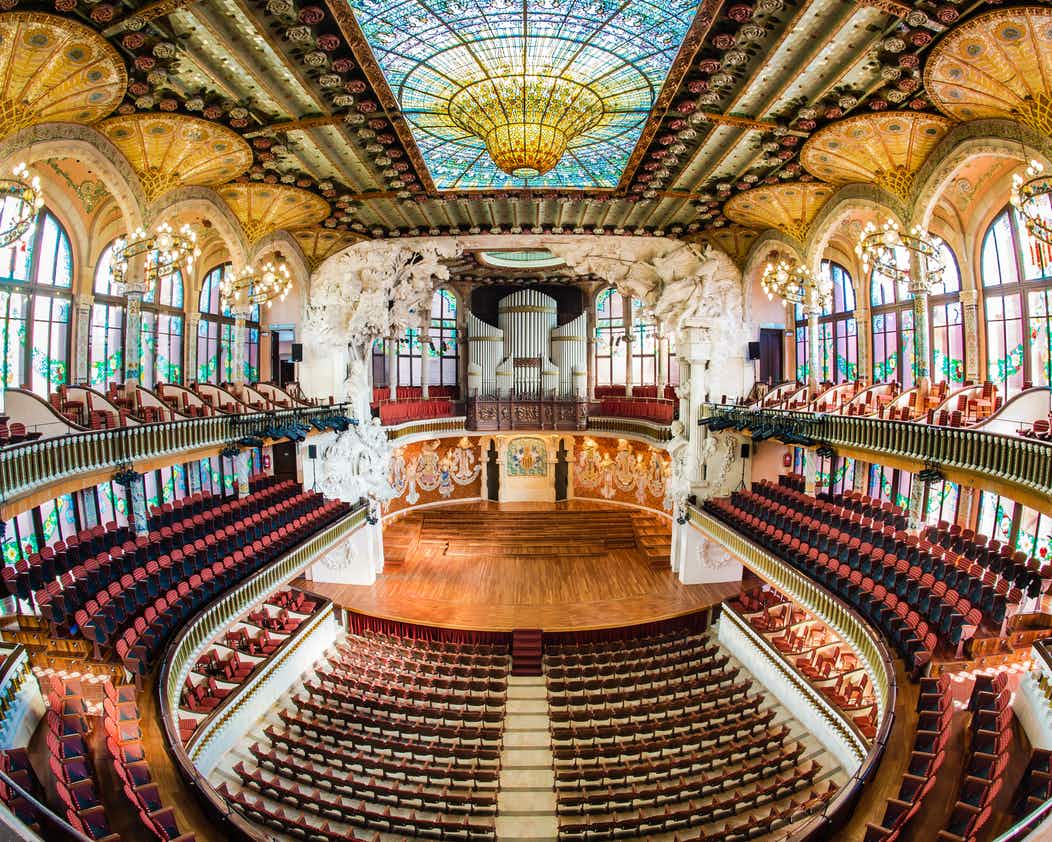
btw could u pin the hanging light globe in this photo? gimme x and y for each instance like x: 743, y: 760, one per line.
x: 270, y: 283
x: 1032, y: 199
x: 22, y: 201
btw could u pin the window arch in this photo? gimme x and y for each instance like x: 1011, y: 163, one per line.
x: 215, y: 334
x: 443, y: 334
x: 37, y: 305
x: 611, y: 364
x: 837, y: 332
x: 947, y: 322
x: 1017, y: 294
x: 892, y: 323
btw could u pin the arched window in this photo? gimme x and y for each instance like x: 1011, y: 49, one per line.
x: 837, y: 332
x: 440, y: 350
x: 644, y: 347
x: 215, y: 335
x: 1017, y: 293
x: 161, y: 334
x: 36, y: 316
x: 609, y: 332
x: 947, y: 322
x: 106, y: 346
x: 892, y: 320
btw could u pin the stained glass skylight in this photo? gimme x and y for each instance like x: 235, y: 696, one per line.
x: 539, y: 259
x: 621, y: 51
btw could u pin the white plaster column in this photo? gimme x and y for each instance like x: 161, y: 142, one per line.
x: 425, y: 363
x: 662, y: 363
x: 357, y: 560
x: 193, y: 320
x: 133, y: 293
x: 82, y: 305
x: 626, y: 320
x: 970, y: 316
x: 241, y: 465
x: 916, y: 512
x: 392, y: 368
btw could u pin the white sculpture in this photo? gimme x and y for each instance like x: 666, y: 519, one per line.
x: 357, y: 465
x: 681, y: 473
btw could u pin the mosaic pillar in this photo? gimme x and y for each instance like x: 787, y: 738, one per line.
x: 425, y: 363
x: 82, y: 305
x: 918, y: 285
x: 241, y: 465
x: 133, y: 293
x: 864, y: 331
x: 810, y: 472
x: 966, y: 500
x: 190, y: 348
x: 193, y: 477
x: 812, y: 350
x: 859, y: 476
x: 240, y: 343
x: 916, y: 512
x: 137, y: 494
x: 970, y: 317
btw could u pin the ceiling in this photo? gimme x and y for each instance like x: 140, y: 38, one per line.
x: 347, y: 99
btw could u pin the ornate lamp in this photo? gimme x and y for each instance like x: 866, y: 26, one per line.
x: 26, y: 202
x: 795, y: 283
x: 165, y: 251
x: 526, y: 121
x: 879, y: 248
x: 1032, y: 199
x: 272, y: 281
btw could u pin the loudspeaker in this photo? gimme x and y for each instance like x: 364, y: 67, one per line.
x: 745, y: 451
x: 754, y: 350
x: 297, y: 352
x: 312, y: 451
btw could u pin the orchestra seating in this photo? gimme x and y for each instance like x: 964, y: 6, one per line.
x: 915, y: 592
x: 661, y: 735
x: 386, y: 735
x: 1036, y: 787
x: 126, y: 593
x: 647, y: 409
x: 14, y: 763
x: 124, y: 745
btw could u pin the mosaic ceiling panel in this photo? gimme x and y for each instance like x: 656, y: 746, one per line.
x: 430, y: 52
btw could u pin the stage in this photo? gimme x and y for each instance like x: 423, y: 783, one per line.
x: 557, y: 567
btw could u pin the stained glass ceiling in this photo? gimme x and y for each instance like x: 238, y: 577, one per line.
x: 539, y: 259
x: 429, y: 50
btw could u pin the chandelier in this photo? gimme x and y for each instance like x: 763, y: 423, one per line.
x: 795, y: 283
x: 165, y: 252
x: 887, y: 250
x: 1032, y: 199
x: 250, y: 286
x: 25, y: 202
x: 526, y: 121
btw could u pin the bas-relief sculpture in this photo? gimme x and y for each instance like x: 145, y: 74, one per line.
x: 357, y: 465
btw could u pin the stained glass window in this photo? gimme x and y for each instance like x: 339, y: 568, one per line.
x: 443, y: 358
x: 947, y: 323
x: 843, y: 475
x: 837, y: 332
x: 610, y: 361
x: 1035, y: 534
x: 892, y: 322
x: 942, y: 502
x: 644, y: 347
x: 35, y: 331
x: 995, y: 516
x: 620, y: 51
x: 161, y: 333
x: 216, y: 331
x: 1017, y: 289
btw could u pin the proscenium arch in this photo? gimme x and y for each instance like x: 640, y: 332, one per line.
x: 67, y: 140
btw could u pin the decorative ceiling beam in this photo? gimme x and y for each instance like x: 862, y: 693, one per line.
x: 151, y: 11
x: 890, y: 7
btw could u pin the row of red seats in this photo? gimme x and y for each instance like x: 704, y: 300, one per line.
x: 16, y: 433
x: 648, y: 409
x: 125, y: 747
x: 669, y: 392
x: 14, y: 763
x: 69, y: 759
x: 398, y: 412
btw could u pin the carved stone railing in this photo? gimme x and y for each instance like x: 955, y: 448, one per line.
x: 442, y: 427
x: 439, y: 427
x: 853, y: 630
x: 185, y: 650
x: 1011, y: 460
x: 29, y: 467
x: 631, y: 427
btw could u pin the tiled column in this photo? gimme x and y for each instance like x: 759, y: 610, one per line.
x: 137, y: 494
x: 82, y: 305
x: 133, y: 293
x: 970, y: 316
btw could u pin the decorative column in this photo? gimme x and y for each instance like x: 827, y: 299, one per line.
x: 918, y: 285
x: 590, y: 322
x: 241, y: 466
x: 133, y: 293
x: 916, y: 512
x: 810, y: 472
x: 240, y: 342
x: 425, y: 363
x: 190, y: 347
x: 626, y: 319
x: 463, y: 356
x: 966, y: 501
x: 265, y: 374
x: 137, y: 497
x: 860, y: 474
x: 812, y: 311
x: 193, y: 477
x: 662, y: 363
x: 392, y: 368
x: 970, y: 315
x: 82, y: 305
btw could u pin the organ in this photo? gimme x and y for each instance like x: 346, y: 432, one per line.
x: 527, y: 355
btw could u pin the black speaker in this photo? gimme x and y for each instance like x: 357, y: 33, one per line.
x: 312, y: 451
x: 297, y: 352
x: 754, y: 350
x: 745, y: 451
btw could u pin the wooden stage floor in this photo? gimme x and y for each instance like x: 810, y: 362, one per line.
x: 557, y: 567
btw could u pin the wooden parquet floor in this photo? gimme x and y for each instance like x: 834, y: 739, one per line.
x: 567, y: 566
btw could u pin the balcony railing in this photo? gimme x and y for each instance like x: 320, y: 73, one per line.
x: 29, y: 466
x: 1013, y: 460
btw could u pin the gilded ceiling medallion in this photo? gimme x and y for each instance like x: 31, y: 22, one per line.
x: 263, y: 208
x: 732, y: 239
x: 321, y: 243
x: 171, y: 150
x: 789, y: 207
x: 998, y: 64
x: 54, y: 69
x: 884, y: 148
